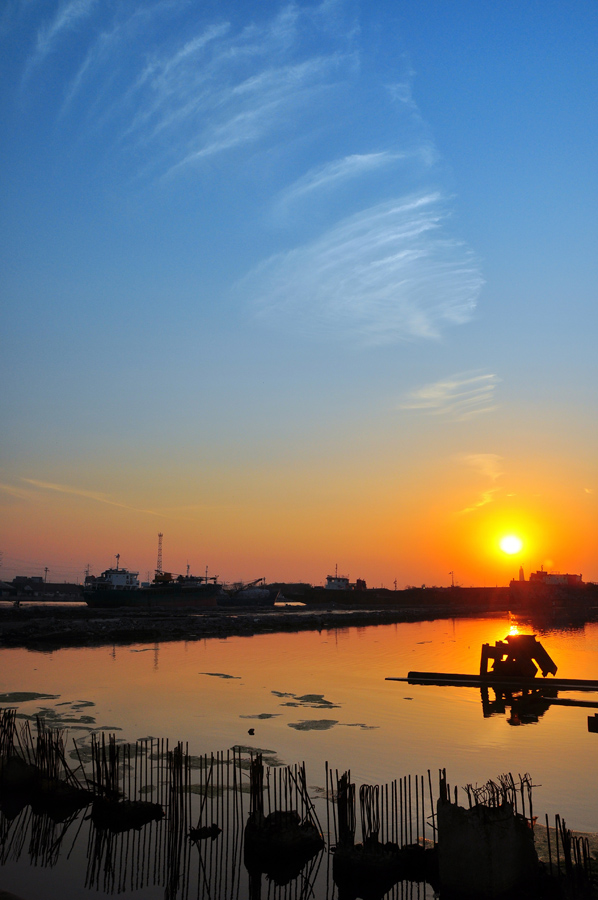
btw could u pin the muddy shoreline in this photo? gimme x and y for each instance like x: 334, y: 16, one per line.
x: 51, y: 627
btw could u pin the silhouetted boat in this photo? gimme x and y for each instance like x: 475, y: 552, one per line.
x: 118, y: 587
x: 256, y: 593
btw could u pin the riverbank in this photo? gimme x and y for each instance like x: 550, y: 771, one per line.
x: 53, y: 627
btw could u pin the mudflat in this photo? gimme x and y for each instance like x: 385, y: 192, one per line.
x: 52, y: 626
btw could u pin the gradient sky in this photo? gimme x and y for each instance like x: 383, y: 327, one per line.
x: 299, y: 285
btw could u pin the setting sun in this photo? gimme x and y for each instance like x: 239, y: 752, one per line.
x: 511, y: 544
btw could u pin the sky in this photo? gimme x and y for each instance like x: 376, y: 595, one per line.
x: 299, y: 286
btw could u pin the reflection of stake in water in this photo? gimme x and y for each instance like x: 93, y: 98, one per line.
x: 217, y: 834
x: 131, y: 844
x: 154, y: 815
x: 286, y: 843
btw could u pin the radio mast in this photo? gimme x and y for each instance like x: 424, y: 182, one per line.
x: 159, y: 563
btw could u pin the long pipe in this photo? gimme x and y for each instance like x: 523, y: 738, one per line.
x: 455, y: 678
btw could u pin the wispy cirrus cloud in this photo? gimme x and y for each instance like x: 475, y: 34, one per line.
x: 35, y: 486
x: 159, y: 90
x: 486, y: 497
x: 334, y: 173
x: 97, y: 496
x: 66, y: 18
x: 174, y: 103
x: 258, y: 106
x: 384, y: 274
x: 459, y: 397
x: 487, y: 465
x: 13, y: 491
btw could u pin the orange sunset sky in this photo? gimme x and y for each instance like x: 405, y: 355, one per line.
x: 299, y: 286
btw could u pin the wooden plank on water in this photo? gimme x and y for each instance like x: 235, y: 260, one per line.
x: 457, y: 679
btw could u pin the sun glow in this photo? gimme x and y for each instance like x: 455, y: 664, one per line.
x: 511, y: 544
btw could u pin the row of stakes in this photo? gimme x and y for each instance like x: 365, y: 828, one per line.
x: 402, y: 812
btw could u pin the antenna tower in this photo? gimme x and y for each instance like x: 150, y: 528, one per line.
x: 159, y: 563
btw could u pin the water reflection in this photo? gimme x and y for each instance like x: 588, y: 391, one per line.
x: 526, y: 706
x: 336, y: 678
x: 214, y: 826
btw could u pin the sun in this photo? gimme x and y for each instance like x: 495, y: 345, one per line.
x: 511, y: 544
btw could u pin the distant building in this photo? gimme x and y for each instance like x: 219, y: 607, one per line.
x: 543, y: 577
x: 34, y: 586
x: 31, y: 580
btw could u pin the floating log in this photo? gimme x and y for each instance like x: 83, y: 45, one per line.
x: 514, y: 683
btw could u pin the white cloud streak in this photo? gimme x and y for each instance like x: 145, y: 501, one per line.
x: 97, y: 496
x: 249, y: 110
x: 487, y: 465
x: 175, y: 105
x: 385, y: 274
x: 68, y: 16
x: 163, y: 101
x: 12, y: 491
x: 338, y: 171
x: 459, y: 397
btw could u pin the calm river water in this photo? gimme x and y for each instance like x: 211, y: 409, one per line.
x: 313, y: 697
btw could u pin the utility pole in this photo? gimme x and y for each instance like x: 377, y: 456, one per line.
x: 46, y: 570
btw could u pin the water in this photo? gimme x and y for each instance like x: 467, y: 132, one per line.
x: 314, y: 697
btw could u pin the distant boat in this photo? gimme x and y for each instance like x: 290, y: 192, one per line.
x: 257, y: 593
x: 119, y: 587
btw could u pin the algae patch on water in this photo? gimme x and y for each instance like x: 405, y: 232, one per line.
x: 361, y: 725
x: 24, y: 696
x: 262, y: 716
x: 313, y: 724
x: 311, y: 701
x: 219, y: 675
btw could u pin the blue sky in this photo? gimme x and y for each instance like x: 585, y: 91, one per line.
x: 238, y: 239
